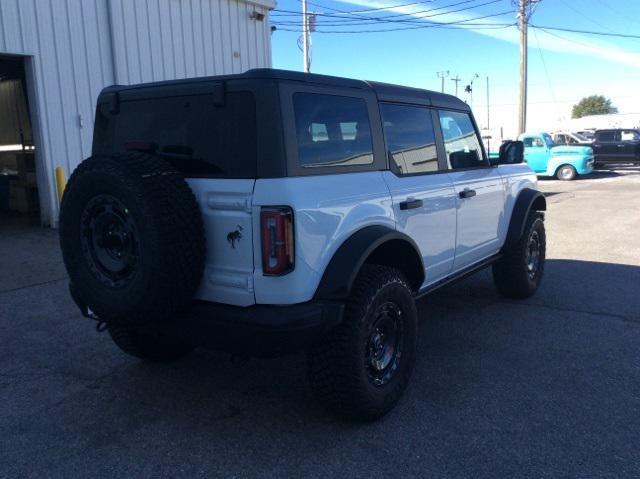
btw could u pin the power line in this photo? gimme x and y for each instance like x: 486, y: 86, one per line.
x: 413, y: 20
x: 586, y: 32
x: 348, y: 17
x: 581, y: 13
x: 391, y: 7
x: 459, y: 23
x: 546, y: 72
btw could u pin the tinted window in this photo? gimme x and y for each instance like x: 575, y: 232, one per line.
x: 460, y: 140
x: 332, y: 130
x: 410, y: 138
x: 606, y: 136
x: 533, y: 142
x: 191, y: 132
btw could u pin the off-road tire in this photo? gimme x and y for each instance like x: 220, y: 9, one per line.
x: 566, y: 173
x: 512, y: 275
x: 337, y: 364
x: 169, y: 251
x: 147, y: 346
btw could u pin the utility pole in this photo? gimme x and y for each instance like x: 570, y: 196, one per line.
x: 522, y: 25
x: 525, y: 9
x: 305, y: 38
x: 488, y: 124
x: 442, y: 75
x: 456, y: 79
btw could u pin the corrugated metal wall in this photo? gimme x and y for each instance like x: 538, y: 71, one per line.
x: 74, y: 48
x: 160, y: 39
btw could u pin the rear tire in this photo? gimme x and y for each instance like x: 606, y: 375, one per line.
x: 148, y: 346
x: 361, y: 369
x: 566, y: 173
x: 519, y: 273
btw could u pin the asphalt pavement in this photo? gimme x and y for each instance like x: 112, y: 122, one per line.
x: 548, y: 387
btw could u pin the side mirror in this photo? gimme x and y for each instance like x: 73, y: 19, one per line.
x: 511, y: 153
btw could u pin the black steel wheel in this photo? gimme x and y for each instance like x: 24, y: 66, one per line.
x: 384, y: 345
x: 109, y: 239
x: 519, y: 272
x: 533, y: 254
x: 361, y: 368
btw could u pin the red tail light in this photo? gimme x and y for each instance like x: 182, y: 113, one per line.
x: 276, y: 225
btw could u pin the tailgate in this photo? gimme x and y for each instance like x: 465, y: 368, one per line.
x: 226, y: 211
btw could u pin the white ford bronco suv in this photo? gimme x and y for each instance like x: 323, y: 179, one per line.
x: 274, y: 211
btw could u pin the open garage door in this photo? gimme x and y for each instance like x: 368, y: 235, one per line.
x: 18, y: 186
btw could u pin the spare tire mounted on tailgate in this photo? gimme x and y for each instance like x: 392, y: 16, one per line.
x: 132, y: 238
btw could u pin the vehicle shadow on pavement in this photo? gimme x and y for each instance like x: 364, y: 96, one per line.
x: 492, y: 376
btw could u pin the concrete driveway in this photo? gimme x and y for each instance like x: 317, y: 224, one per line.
x: 545, y: 387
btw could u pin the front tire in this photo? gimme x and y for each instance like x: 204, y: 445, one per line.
x: 566, y: 173
x: 361, y: 369
x: 148, y: 346
x: 519, y: 273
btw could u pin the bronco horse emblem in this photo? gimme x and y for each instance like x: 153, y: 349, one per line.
x: 235, y: 236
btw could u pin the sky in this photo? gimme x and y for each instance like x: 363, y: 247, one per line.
x: 563, y: 66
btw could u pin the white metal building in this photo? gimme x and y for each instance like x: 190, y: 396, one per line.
x: 56, y: 56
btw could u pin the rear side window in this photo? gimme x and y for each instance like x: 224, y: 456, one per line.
x: 410, y: 138
x: 332, y: 130
x: 194, y: 134
x: 607, y: 136
x: 630, y: 135
x: 460, y: 140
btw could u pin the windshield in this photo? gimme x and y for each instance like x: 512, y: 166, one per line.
x: 580, y: 137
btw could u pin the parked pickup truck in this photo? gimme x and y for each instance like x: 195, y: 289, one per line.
x: 564, y: 162
x: 570, y: 138
x: 617, y: 146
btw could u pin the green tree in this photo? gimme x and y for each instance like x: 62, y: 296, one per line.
x: 593, y: 105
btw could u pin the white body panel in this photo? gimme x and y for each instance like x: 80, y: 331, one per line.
x: 451, y: 233
x: 480, y: 217
x: 327, y: 210
x: 433, y: 225
x: 515, y: 178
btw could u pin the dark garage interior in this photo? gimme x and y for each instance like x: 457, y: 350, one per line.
x: 18, y: 185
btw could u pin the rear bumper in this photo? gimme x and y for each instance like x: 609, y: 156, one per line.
x: 259, y: 330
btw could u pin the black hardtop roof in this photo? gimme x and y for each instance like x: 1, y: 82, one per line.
x: 384, y: 91
x: 616, y: 129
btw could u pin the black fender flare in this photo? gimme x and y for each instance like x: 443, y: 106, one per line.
x: 340, y: 274
x: 528, y: 200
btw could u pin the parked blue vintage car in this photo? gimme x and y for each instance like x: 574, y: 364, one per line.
x: 563, y: 162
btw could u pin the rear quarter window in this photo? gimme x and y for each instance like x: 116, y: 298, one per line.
x: 332, y: 130
x: 194, y: 134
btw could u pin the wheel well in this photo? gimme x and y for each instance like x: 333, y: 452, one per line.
x: 402, y: 255
x: 539, y: 204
